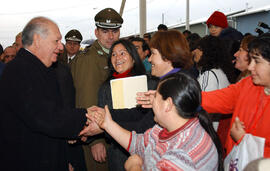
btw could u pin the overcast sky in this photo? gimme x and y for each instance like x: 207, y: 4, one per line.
x: 79, y: 14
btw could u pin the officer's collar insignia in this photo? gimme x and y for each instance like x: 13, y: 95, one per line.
x: 100, y: 52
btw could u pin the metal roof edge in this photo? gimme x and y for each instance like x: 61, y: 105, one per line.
x: 252, y: 11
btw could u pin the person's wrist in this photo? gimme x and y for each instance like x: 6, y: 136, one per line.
x: 240, y: 139
x: 106, y: 125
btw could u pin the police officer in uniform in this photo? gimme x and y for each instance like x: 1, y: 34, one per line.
x: 89, y: 71
x: 73, y: 39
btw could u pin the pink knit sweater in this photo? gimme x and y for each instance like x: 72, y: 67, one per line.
x: 187, y: 148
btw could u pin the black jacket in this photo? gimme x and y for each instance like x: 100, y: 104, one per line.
x: 105, y: 97
x: 75, y: 153
x: 116, y: 154
x: 2, y: 65
x: 34, y: 125
x: 127, y: 117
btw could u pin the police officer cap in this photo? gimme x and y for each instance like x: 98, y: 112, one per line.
x: 74, y: 35
x: 108, y: 18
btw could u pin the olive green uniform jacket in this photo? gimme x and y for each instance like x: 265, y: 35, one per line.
x: 63, y: 58
x: 89, y: 70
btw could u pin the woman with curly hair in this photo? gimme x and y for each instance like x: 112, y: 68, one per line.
x: 216, y: 69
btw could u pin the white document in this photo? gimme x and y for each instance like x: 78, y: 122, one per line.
x: 124, y: 91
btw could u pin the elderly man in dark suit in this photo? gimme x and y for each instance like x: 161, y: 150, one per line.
x: 34, y: 124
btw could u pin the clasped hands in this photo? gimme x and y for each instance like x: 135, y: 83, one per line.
x: 91, y: 127
x: 96, y: 115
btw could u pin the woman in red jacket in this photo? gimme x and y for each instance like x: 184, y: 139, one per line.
x: 249, y: 99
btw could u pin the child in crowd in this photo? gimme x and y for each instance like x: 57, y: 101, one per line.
x: 216, y: 23
x: 218, y: 26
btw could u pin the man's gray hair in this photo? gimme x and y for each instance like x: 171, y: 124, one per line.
x: 38, y: 25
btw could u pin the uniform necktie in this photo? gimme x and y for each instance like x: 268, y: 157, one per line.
x: 69, y: 59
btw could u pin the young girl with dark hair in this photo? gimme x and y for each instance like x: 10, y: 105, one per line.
x: 182, y: 139
x: 216, y: 69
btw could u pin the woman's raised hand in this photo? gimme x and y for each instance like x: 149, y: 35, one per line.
x: 146, y: 98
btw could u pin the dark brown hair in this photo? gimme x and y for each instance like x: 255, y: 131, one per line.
x: 245, y: 41
x: 260, y: 46
x: 173, y: 46
x: 244, y: 44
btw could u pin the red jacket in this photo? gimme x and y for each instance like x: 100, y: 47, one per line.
x: 248, y: 102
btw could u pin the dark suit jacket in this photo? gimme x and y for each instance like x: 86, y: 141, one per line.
x: 2, y: 65
x: 34, y: 125
x: 74, y: 151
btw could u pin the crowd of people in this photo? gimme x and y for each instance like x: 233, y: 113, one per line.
x: 205, y: 94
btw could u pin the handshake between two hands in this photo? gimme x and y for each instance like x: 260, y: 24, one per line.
x: 97, y: 118
x: 94, y: 124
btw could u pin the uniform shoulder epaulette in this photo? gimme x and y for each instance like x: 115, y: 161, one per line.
x: 81, y: 52
x: 85, y: 50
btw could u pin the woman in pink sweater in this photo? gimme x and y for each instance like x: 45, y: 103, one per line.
x: 182, y: 139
